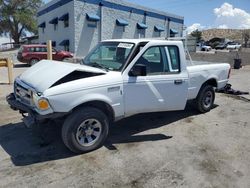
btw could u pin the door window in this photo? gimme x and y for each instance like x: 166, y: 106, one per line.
x: 161, y: 60
x: 153, y: 60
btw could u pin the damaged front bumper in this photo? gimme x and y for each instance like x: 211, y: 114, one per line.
x: 33, y: 117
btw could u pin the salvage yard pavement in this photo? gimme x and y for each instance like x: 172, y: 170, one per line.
x: 167, y: 149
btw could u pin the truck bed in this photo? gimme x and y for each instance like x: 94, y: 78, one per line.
x: 199, y: 72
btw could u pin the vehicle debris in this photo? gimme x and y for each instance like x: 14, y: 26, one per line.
x: 228, y: 90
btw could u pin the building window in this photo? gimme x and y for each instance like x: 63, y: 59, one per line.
x: 65, y: 44
x: 141, y: 29
x: 42, y: 25
x: 173, y: 32
x: 54, y: 43
x: 158, y: 30
x: 65, y: 19
x: 54, y: 21
x: 123, y: 23
x: 92, y: 19
x: 66, y: 23
x: 92, y: 24
x: 66, y: 48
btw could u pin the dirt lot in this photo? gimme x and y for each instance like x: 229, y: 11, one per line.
x: 170, y: 149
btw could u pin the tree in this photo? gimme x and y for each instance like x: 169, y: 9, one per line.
x: 18, y: 17
x: 197, y: 34
x: 246, y: 36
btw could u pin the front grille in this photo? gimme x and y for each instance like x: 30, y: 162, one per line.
x: 23, y: 94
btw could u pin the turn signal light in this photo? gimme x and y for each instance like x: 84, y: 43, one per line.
x: 43, y: 104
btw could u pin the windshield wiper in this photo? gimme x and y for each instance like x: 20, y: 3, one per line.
x: 94, y: 64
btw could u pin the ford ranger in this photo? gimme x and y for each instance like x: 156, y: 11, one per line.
x: 117, y: 79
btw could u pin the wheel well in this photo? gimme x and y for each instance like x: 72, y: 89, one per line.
x: 103, y: 106
x: 211, y: 82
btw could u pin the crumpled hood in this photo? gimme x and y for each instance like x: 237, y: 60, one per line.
x: 44, y: 74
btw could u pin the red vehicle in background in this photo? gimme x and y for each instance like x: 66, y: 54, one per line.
x: 33, y: 53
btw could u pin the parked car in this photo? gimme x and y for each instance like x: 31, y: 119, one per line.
x: 117, y: 79
x: 202, y: 46
x: 206, y: 48
x: 31, y: 54
x: 221, y: 46
x: 233, y: 45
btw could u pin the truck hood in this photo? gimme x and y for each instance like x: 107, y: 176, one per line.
x: 47, y: 73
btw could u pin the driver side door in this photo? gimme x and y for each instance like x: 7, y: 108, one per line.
x: 163, y: 88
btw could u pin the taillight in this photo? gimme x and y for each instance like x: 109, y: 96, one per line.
x: 229, y: 72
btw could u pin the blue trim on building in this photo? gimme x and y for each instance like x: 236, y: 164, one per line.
x: 64, y: 17
x: 54, y: 21
x: 142, y: 26
x: 173, y: 31
x: 121, y: 22
x: 64, y: 43
x: 113, y: 6
x: 159, y: 28
x: 42, y: 25
x: 92, y: 17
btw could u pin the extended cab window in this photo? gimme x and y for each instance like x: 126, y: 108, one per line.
x: 174, y: 58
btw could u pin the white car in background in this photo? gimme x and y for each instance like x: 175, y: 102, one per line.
x: 233, y: 45
x: 206, y: 48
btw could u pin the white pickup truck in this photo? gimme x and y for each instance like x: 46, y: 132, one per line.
x: 117, y: 79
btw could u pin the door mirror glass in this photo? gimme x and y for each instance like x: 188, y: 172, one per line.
x: 138, y: 70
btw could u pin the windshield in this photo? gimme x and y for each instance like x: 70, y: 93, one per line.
x: 109, y: 55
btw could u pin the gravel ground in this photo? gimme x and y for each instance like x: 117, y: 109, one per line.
x: 168, y: 149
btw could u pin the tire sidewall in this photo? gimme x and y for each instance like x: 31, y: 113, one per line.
x: 72, y: 123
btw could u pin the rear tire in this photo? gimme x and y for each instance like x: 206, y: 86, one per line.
x: 86, y: 129
x: 205, y: 99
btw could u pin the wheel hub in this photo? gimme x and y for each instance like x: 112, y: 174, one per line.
x: 88, y: 132
x: 208, y: 99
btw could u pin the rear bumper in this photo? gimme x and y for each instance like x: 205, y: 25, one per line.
x: 16, y: 105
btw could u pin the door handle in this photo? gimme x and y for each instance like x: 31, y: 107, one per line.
x: 178, y: 82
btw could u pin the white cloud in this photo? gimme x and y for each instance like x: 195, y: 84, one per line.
x: 223, y: 26
x: 228, y: 16
x: 194, y: 27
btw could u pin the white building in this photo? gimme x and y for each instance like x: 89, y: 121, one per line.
x: 78, y: 25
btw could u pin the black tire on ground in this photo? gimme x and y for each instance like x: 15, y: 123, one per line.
x: 33, y: 61
x: 82, y: 126
x: 205, y: 99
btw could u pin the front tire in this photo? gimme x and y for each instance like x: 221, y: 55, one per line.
x: 86, y: 129
x: 205, y: 99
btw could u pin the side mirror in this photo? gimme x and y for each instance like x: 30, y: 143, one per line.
x: 138, y: 70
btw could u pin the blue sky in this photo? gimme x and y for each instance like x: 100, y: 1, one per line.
x: 194, y: 11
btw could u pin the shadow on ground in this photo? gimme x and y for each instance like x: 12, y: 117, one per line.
x: 26, y: 147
